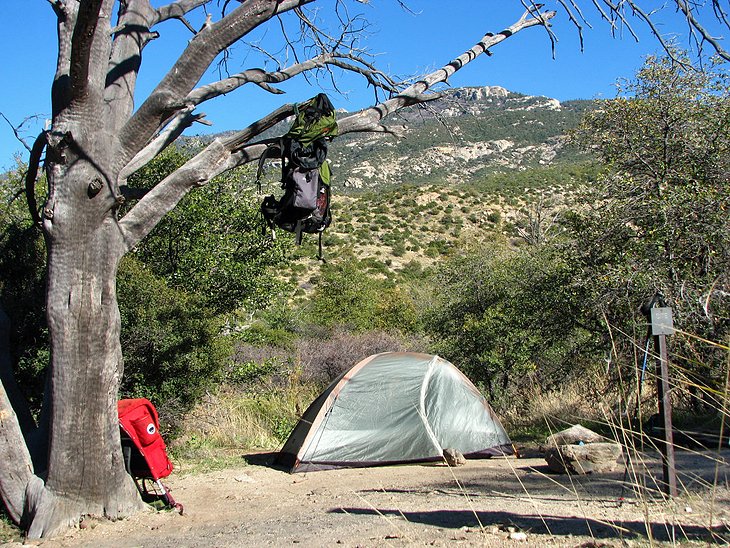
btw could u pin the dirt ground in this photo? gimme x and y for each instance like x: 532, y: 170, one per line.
x: 492, y: 502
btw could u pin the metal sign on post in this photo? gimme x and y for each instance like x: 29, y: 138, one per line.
x: 661, y: 321
x: 662, y: 325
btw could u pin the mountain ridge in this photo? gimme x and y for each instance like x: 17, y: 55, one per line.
x: 458, y: 136
x: 473, y: 165
x: 461, y: 135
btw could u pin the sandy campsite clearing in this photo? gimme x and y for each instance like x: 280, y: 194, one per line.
x: 491, y: 502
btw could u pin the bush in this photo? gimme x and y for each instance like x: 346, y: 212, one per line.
x: 505, y: 315
x: 22, y: 289
x: 347, y: 296
x: 172, y: 348
x: 660, y: 221
x: 398, y: 249
x: 212, y: 244
x: 323, y: 358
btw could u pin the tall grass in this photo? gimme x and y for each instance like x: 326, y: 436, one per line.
x: 627, y: 413
x: 233, y: 421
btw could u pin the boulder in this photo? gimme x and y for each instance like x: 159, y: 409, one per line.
x: 585, y: 458
x: 574, y: 435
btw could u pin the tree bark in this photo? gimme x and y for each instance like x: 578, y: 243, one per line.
x: 86, y: 473
x: 17, y: 469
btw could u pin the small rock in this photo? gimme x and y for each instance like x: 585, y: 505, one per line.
x: 453, y: 457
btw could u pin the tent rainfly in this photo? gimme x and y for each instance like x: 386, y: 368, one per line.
x: 395, y: 407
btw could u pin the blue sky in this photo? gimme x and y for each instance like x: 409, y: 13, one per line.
x: 407, y: 44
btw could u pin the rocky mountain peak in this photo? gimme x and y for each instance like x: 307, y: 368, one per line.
x: 480, y: 93
x: 460, y: 136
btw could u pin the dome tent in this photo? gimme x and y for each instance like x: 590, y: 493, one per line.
x: 394, y: 407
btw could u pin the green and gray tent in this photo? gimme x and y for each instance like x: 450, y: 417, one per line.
x: 395, y: 407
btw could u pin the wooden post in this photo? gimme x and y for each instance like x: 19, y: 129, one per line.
x: 661, y: 326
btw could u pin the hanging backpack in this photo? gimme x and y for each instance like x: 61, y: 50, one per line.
x: 305, y: 173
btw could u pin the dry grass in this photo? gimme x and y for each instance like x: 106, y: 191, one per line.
x: 8, y: 532
x: 224, y: 424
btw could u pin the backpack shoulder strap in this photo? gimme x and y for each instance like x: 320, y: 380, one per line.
x: 320, y: 256
x: 274, y: 148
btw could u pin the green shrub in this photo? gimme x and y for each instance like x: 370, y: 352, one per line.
x: 398, y: 249
x: 348, y: 296
x: 170, y: 340
x: 504, y: 315
x: 212, y: 244
x: 22, y: 288
x: 250, y: 371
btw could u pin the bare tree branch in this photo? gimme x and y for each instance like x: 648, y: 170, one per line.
x: 539, y: 223
x: 706, y: 36
x: 605, y: 17
x: 187, y: 71
x: 181, y: 121
x: 648, y: 20
x: 32, y: 175
x: 132, y: 34
x: 574, y: 20
x: 16, y: 131
x: 369, y: 119
x: 184, y: 118
x: 178, y: 10
x: 617, y: 13
x: 351, y: 32
x: 720, y: 13
x: 57, y: 6
x: 255, y: 76
x: 618, y: 16
x: 535, y: 8
x: 263, y: 79
x: 222, y: 155
x: 213, y: 160
x: 83, y: 39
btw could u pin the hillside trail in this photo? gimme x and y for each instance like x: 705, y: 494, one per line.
x: 491, y: 502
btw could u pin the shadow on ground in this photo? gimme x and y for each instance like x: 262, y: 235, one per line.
x: 624, y: 495
x: 551, y: 525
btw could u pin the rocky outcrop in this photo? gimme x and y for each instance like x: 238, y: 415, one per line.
x: 480, y: 93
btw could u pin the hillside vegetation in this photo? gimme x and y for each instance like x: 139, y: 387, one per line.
x: 486, y: 234
x: 474, y: 163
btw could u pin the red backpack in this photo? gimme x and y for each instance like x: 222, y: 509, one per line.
x: 145, y: 454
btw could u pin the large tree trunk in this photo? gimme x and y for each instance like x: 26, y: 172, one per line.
x: 85, y: 473
x: 16, y: 471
